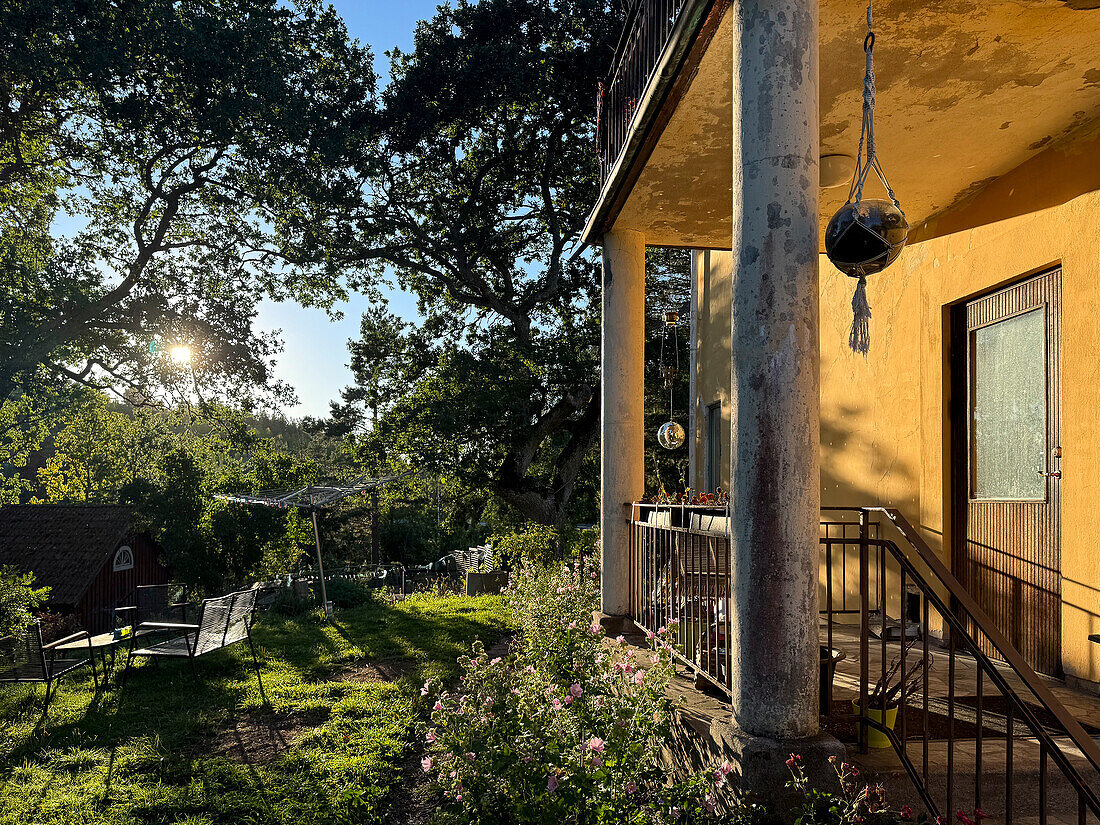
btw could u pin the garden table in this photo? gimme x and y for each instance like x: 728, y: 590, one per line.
x: 102, y: 644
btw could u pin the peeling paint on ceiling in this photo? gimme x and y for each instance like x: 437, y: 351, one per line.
x: 967, y: 92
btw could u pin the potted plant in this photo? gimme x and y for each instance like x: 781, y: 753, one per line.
x: 883, y: 700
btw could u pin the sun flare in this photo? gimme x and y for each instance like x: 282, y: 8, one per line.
x: 180, y: 354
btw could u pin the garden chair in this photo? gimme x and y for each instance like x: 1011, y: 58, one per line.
x: 154, y: 603
x: 222, y: 622
x: 25, y: 658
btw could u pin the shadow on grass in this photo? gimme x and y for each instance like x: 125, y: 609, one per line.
x: 156, y: 733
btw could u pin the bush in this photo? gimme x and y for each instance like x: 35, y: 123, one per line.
x: 347, y: 594
x: 534, y: 544
x: 19, y: 599
x: 291, y: 605
x: 57, y: 626
x: 566, y: 728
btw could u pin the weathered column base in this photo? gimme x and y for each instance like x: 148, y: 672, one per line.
x: 614, y: 625
x: 703, y: 736
x: 760, y: 765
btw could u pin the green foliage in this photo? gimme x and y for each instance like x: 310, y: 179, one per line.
x: 346, y: 594
x: 566, y: 728
x: 532, y: 544
x: 668, y: 287
x: 287, y: 603
x: 482, y: 176
x: 19, y: 599
x: 849, y: 801
x: 147, y: 201
x: 169, y: 751
x: 99, y: 450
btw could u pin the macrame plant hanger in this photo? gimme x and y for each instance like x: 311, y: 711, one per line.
x: 864, y: 237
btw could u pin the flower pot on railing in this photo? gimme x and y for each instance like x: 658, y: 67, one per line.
x: 829, y: 659
x: 875, y: 737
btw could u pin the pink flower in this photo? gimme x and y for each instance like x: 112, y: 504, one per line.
x: 596, y: 744
x: 470, y: 757
x: 596, y: 761
x: 495, y: 661
x: 725, y: 767
x: 426, y: 763
x: 979, y: 814
x: 631, y: 786
x: 576, y: 690
x: 906, y: 813
x: 963, y: 818
x: 458, y: 797
x: 649, y: 634
x: 437, y: 706
x: 430, y: 737
x: 556, y: 703
x: 552, y: 783
x: 674, y: 811
x: 710, y: 803
x: 568, y: 700
x: 639, y: 677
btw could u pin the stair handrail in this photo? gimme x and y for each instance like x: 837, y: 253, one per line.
x: 1011, y: 656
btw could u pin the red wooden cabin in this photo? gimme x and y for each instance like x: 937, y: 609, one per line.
x: 89, y: 555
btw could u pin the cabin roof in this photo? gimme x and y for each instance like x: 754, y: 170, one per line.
x: 64, y: 545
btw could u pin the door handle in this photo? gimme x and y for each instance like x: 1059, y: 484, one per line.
x: 1054, y: 474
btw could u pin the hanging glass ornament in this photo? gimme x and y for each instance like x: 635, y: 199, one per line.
x: 670, y: 435
x: 866, y: 236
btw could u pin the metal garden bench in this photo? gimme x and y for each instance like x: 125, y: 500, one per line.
x: 222, y: 622
x: 24, y: 657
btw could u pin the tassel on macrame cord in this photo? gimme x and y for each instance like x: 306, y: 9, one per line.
x: 860, y: 338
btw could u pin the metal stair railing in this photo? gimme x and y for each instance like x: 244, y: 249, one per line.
x: 1031, y: 715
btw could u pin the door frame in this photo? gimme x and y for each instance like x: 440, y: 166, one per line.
x: 957, y: 414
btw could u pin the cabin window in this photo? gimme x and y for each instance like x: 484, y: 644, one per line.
x: 124, y: 558
x: 713, y: 464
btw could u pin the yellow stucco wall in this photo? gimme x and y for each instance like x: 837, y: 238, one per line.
x: 909, y: 333
x: 885, y: 431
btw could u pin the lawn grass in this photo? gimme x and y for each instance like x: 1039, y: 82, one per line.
x: 154, y: 757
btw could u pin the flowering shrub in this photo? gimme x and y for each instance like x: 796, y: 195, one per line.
x: 857, y: 803
x: 566, y: 728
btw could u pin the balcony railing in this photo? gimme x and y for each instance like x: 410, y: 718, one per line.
x: 649, y: 27
x: 972, y: 730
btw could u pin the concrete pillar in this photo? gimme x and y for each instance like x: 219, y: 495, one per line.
x: 774, y: 466
x: 622, y: 383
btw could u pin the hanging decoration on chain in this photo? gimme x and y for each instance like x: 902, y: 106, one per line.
x: 866, y: 236
x: 670, y: 435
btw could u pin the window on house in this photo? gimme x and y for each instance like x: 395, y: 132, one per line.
x: 713, y: 446
x: 124, y: 558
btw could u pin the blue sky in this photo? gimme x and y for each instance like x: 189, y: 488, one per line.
x: 315, y: 356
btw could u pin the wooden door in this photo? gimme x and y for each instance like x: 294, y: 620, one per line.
x: 1008, y: 479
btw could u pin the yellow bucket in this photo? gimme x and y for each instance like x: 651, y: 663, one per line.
x: 875, y: 737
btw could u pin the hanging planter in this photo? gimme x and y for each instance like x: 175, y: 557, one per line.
x: 866, y: 236
x: 671, y: 434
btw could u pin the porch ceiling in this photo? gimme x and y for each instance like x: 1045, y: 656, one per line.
x: 967, y: 92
